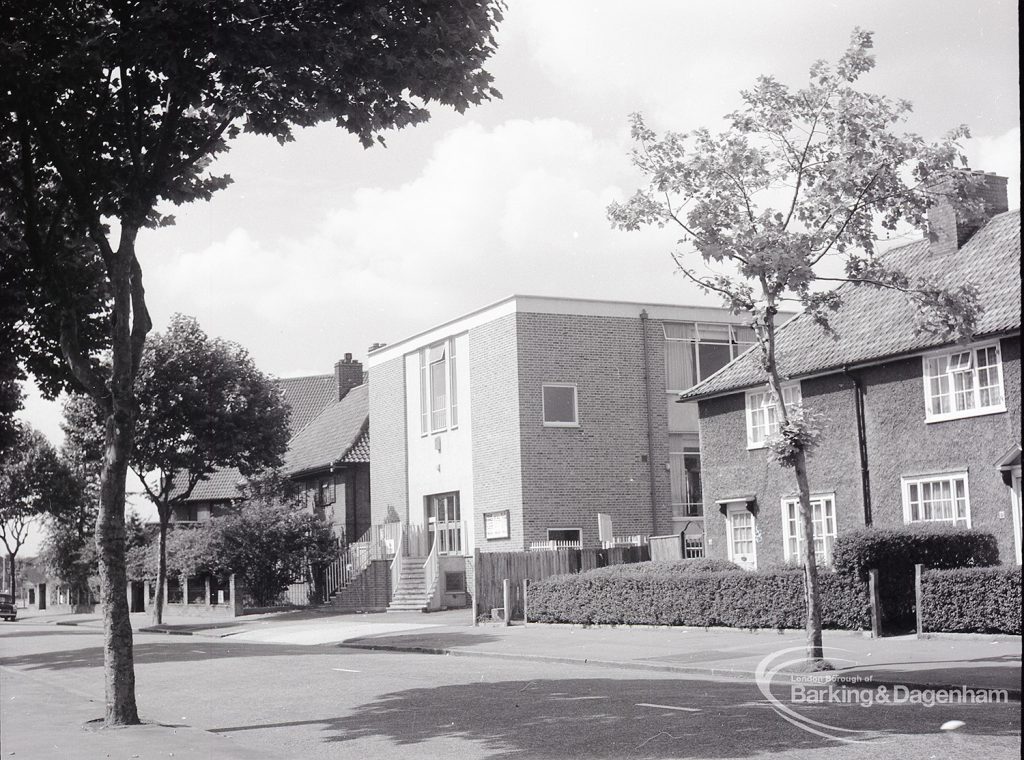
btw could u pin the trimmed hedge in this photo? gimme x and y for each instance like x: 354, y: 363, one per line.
x: 672, y: 567
x: 972, y: 600
x: 772, y: 599
x: 895, y: 551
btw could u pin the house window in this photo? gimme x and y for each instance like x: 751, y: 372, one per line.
x: 823, y: 516
x: 438, y: 386
x: 937, y: 498
x: 325, y: 493
x: 763, y: 413
x: 695, y: 351
x: 963, y: 383
x: 566, y: 535
x: 741, y: 536
x: 559, y: 405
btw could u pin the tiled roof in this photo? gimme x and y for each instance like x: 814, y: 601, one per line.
x: 333, y: 434
x: 305, y: 397
x: 874, y: 323
x: 360, y: 451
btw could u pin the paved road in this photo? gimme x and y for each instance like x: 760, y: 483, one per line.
x: 318, y: 701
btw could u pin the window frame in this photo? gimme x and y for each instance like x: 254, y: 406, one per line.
x: 449, y: 413
x: 906, y: 481
x: 736, y: 346
x: 575, y: 406
x: 748, y: 411
x: 949, y: 353
x: 787, y: 536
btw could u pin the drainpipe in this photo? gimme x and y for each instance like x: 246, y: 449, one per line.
x: 650, y: 429
x: 862, y: 444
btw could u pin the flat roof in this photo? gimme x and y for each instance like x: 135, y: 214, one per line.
x: 531, y: 304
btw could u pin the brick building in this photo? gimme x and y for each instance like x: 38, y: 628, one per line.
x: 916, y: 429
x: 519, y: 423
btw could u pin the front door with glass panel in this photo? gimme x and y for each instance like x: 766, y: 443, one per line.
x: 742, y: 537
x: 444, y: 523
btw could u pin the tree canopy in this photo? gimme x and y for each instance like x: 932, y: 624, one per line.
x: 787, y: 203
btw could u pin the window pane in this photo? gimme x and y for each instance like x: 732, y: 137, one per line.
x: 438, y: 396
x: 712, y: 357
x: 452, y: 383
x: 679, y: 331
x: 680, y: 365
x: 712, y: 332
x: 559, y: 404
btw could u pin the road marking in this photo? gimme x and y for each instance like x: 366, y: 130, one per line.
x: 561, y: 698
x: 669, y: 707
x: 346, y: 670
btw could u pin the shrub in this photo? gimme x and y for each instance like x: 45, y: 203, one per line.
x: 657, y: 596
x: 976, y: 600
x: 672, y: 567
x: 895, y: 551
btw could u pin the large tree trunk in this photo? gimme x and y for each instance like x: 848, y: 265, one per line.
x: 161, y: 574
x: 10, y: 569
x: 118, y: 657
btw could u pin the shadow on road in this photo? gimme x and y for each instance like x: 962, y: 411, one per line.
x: 612, y: 718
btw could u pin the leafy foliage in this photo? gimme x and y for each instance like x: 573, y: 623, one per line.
x: 630, y: 595
x: 671, y: 567
x: 972, y: 600
x: 895, y: 551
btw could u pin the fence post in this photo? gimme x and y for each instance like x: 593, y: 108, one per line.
x: 526, y: 606
x: 876, y: 611
x: 917, y: 599
x: 506, y: 594
x: 476, y: 585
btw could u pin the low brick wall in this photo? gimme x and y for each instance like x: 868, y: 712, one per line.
x: 370, y: 591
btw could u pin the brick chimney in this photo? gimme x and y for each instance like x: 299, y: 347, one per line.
x: 376, y: 346
x: 348, y: 373
x: 949, y: 228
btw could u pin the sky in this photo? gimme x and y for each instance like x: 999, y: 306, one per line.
x: 321, y: 248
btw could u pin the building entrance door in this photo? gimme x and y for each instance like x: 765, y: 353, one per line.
x: 444, y: 523
x: 1015, y: 495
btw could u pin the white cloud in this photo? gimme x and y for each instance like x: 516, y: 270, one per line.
x: 999, y: 154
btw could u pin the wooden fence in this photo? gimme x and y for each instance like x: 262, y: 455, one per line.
x: 666, y: 547
x: 494, y: 567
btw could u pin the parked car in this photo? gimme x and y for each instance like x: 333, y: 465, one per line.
x: 7, y: 609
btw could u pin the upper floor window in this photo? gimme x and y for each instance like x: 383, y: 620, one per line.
x: 823, y: 518
x: 937, y: 498
x: 695, y: 351
x: 963, y: 382
x: 559, y: 405
x: 763, y: 413
x: 439, y: 409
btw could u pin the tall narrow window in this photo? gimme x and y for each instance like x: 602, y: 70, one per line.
x: 453, y: 385
x: 424, y: 399
x: 438, y: 393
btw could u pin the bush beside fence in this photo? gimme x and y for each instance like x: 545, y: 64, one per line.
x: 971, y: 600
x: 768, y: 599
x: 895, y: 551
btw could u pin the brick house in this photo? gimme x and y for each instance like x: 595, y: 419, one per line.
x: 521, y: 422
x: 916, y: 429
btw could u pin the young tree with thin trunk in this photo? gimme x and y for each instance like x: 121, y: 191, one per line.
x: 33, y: 482
x: 111, y: 111
x: 786, y: 204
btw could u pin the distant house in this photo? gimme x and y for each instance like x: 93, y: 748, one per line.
x: 916, y: 430
x: 516, y: 426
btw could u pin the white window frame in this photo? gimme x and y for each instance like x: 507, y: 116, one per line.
x: 765, y: 393
x: 448, y: 414
x: 730, y: 511
x: 949, y: 354
x: 575, y: 406
x: 787, y: 533
x: 907, y: 481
